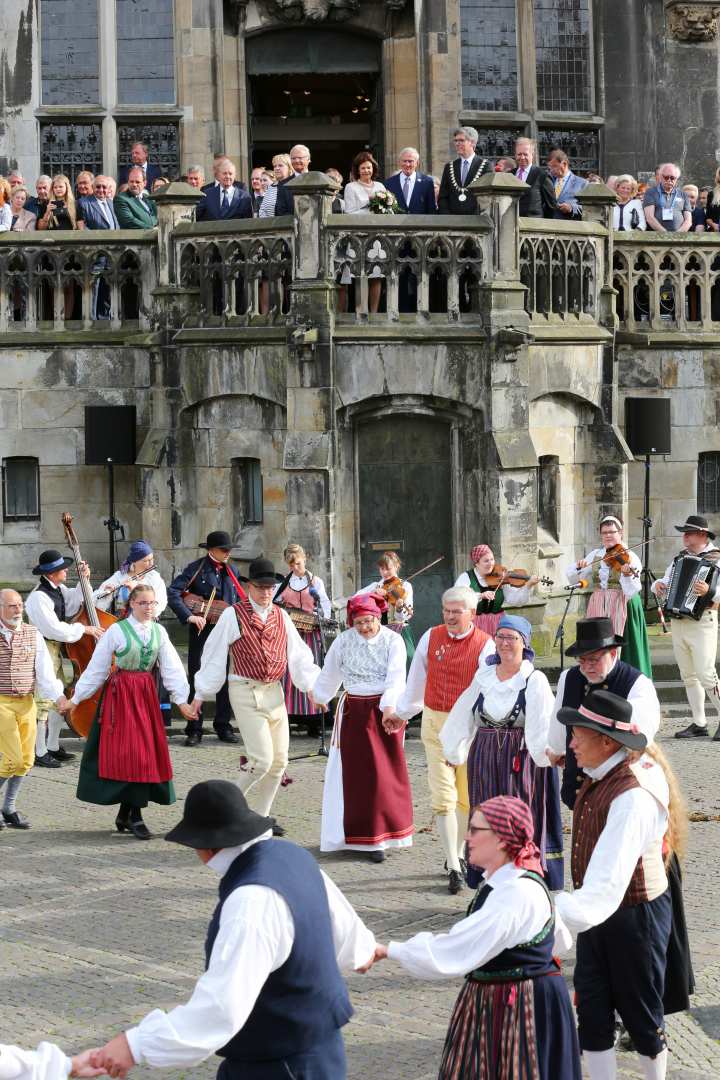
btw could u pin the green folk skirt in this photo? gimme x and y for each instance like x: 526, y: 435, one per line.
x: 636, y: 650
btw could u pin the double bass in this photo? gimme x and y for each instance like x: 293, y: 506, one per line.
x: 79, y: 652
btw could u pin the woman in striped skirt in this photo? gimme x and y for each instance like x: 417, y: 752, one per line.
x: 303, y: 596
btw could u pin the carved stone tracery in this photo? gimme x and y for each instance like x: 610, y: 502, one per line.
x: 699, y: 21
x: 314, y: 11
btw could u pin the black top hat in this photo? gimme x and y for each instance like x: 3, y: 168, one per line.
x: 262, y: 572
x: 607, y: 714
x: 592, y: 635
x: 216, y: 815
x: 695, y: 523
x: 218, y: 539
x: 50, y: 561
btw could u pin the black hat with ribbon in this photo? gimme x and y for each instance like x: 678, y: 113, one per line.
x: 50, y: 561
x: 262, y: 572
x: 696, y: 523
x: 607, y: 714
x: 216, y: 815
x: 591, y: 635
x: 218, y: 539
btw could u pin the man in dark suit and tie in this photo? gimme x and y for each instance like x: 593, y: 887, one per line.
x: 540, y: 200
x: 455, y: 198
x: 139, y: 157
x: 132, y: 207
x: 413, y: 190
x: 224, y: 201
x: 96, y: 212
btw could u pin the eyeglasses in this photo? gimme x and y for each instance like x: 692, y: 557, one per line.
x: 472, y: 829
x: 665, y: 177
x: 506, y: 637
x: 145, y: 603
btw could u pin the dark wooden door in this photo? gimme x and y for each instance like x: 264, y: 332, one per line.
x: 405, y: 503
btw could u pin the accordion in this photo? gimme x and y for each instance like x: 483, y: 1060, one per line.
x: 687, y: 569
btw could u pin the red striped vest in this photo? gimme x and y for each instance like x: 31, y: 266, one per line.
x: 452, y: 663
x: 17, y: 662
x: 261, y: 650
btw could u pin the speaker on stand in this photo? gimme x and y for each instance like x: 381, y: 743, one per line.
x: 647, y: 432
x: 110, y: 441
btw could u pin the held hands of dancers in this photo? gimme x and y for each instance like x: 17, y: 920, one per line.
x: 316, y: 704
x: 115, y: 1058
x: 191, y: 710
x: 381, y: 952
x: 82, y: 1064
x: 392, y: 722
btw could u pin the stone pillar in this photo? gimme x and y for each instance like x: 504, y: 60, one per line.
x: 597, y: 202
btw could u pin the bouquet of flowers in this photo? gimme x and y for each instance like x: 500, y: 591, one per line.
x: 384, y: 202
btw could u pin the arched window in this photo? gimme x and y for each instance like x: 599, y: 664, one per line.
x: 548, y: 494
x: 247, y: 492
x: 21, y: 489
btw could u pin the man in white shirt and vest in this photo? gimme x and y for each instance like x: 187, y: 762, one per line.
x: 24, y: 665
x: 261, y: 642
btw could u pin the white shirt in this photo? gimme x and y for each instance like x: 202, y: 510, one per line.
x: 668, y: 573
x: 47, y: 685
x: 636, y: 822
x: 41, y: 613
x: 151, y: 578
x: 406, y: 612
x: 334, y: 675
x: 512, y: 597
x: 629, y: 584
x: 46, y: 1063
x: 357, y: 196
x: 297, y: 584
x: 515, y: 911
x: 171, y: 670
x: 411, y: 700
x: 459, y: 729
x: 642, y: 696
x: 255, y: 938
x: 5, y: 218
x: 213, y: 671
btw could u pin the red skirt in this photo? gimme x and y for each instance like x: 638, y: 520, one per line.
x: 133, y: 744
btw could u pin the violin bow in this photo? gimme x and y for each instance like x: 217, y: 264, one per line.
x: 424, y: 568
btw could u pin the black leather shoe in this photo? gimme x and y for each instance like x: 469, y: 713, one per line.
x: 377, y: 856
x: 122, y: 821
x: 61, y: 754
x: 15, y: 820
x: 227, y: 735
x: 192, y: 739
x: 455, y: 882
x: 277, y: 829
x: 137, y: 826
x: 47, y: 762
x: 694, y: 731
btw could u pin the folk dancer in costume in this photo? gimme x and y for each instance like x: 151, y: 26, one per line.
x: 114, y: 593
x: 491, y: 602
x: 695, y: 641
x: 499, y: 726
x: 49, y: 607
x: 25, y: 666
x: 213, y: 573
x: 126, y: 758
x: 445, y: 661
x: 367, y: 801
x: 302, y: 591
x: 513, y: 1016
x: 261, y: 642
x: 48, y: 1062
x: 616, y: 594
x: 621, y: 906
x: 397, y: 594
x: 272, y: 1001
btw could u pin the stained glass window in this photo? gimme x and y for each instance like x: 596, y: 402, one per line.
x: 562, y: 50
x: 69, y: 52
x: 68, y: 147
x: 489, y: 54
x: 582, y: 147
x: 145, y: 54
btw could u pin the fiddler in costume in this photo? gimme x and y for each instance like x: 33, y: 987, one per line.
x: 398, y: 596
x: 513, y: 1018
x: 493, y: 597
x: 616, y: 592
x: 367, y: 801
x: 114, y: 593
x: 303, y: 596
x: 126, y: 757
x: 499, y: 725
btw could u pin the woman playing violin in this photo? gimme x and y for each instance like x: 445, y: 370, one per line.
x: 138, y: 567
x: 494, y: 596
x: 615, y: 574
x: 397, y: 594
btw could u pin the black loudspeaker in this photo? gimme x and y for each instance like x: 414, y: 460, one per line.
x: 110, y: 433
x: 647, y: 425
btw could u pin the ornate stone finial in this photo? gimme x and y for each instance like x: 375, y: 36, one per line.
x: 699, y: 21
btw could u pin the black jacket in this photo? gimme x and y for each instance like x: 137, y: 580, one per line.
x: 540, y: 200
x: 209, y: 577
x: 449, y: 199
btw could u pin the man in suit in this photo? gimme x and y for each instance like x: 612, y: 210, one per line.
x: 132, y: 207
x: 139, y: 157
x: 37, y: 205
x: 455, y: 198
x: 96, y: 212
x: 300, y: 161
x: 256, y: 189
x: 195, y: 176
x: 567, y: 186
x: 224, y: 201
x: 540, y: 200
x: 413, y: 190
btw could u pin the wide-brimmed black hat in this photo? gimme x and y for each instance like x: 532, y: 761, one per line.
x: 696, y: 523
x: 50, y: 561
x: 216, y: 815
x: 607, y: 714
x: 262, y: 572
x: 218, y: 539
x: 592, y: 635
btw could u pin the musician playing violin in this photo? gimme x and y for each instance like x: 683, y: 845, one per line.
x: 138, y: 566
x: 301, y: 590
x: 397, y: 594
x: 615, y: 575
x: 493, y: 596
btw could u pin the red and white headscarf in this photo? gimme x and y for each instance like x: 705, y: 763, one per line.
x: 478, y: 551
x: 365, y: 604
x: 512, y: 822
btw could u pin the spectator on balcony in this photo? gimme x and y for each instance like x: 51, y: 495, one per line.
x: 60, y: 213
x: 224, y: 201
x: 133, y: 209
x: 703, y: 197
x: 540, y: 200
x: 84, y: 185
x: 257, y: 192
x: 338, y: 203
x: 455, y: 198
x: 5, y: 211
x: 698, y: 214
x: 195, y: 176
x: 282, y: 170
x: 506, y: 164
x: 358, y: 192
x: 628, y: 212
x: 37, y: 205
x: 566, y: 186
x: 413, y: 190
x: 22, y: 219
x: 712, y: 208
x: 15, y: 179
x: 667, y: 207
x: 218, y: 161
x: 300, y: 162
x: 139, y: 157
x: 267, y: 179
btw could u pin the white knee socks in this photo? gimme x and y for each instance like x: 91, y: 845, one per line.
x: 461, y: 818
x: 601, y: 1064
x: 654, y: 1068
x: 55, y: 724
x: 447, y: 827
x: 40, y: 743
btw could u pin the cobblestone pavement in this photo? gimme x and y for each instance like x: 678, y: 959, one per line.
x: 97, y: 928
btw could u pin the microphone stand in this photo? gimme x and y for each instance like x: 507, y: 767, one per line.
x: 560, y: 634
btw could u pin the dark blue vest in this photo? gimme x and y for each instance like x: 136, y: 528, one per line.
x: 529, y: 960
x: 55, y: 594
x: 620, y: 681
x: 305, y: 1000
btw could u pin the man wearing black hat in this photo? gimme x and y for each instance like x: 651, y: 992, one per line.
x: 49, y: 607
x: 597, y: 649
x: 695, y: 641
x: 259, y: 639
x: 214, y: 573
x: 272, y: 1001
x: 620, y: 908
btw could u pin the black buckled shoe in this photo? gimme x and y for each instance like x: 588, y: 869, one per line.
x: 137, y: 826
x: 15, y: 820
x: 122, y: 821
x: 693, y: 731
x: 193, y: 738
x: 455, y: 882
x: 47, y: 762
x: 61, y: 754
x: 226, y: 734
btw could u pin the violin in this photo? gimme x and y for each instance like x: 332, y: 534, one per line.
x: 616, y: 558
x: 395, y: 592
x: 500, y: 575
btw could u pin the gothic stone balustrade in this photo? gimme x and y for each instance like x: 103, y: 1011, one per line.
x: 562, y: 268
